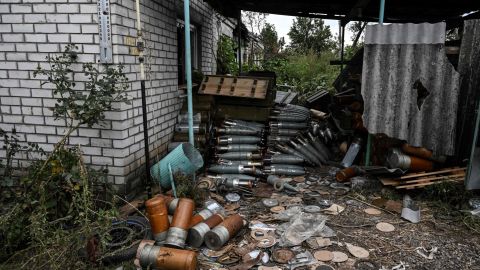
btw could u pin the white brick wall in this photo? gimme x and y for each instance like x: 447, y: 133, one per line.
x: 30, y: 30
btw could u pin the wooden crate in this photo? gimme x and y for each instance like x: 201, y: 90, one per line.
x: 244, y: 87
x: 421, y: 180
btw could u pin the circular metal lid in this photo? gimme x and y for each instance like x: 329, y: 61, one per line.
x: 232, y: 197
x: 312, y: 209
x: 266, y: 242
x: 282, y: 255
x: 270, y: 202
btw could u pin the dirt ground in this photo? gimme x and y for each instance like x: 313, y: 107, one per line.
x: 457, y: 247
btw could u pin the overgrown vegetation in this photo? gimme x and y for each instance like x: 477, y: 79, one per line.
x: 52, y: 207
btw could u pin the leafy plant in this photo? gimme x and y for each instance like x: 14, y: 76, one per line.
x: 226, y: 61
x: 55, y: 211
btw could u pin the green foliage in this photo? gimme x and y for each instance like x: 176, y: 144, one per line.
x: 86, y: 106
x: 271, y: 43
x: 305, y: 72
x: 310, y: 34
x: 54, y: 211
x: 226, y: 60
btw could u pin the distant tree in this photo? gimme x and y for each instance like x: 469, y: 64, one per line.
x: 255, y: 22
x: 310, y: 34
x: 272, y: 45
x: 357, y: 30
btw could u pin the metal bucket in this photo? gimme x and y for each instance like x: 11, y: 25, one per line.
x: 184, y: 158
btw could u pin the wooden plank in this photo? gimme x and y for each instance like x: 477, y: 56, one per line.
x: 433, y: 178
x: 399, y: 181
x: 421, y: 185
x: 413, y: 175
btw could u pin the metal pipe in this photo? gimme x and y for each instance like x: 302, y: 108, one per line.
x: 302, y: 149
x: 289, y: 125
x: 197, y: 232
x: 322, y: 148
x: 238, y: 140
x: 220, y: 234
x: 140, y: 47
x: 197, y: 128
x: 287, y: 150
x: 240, y: 162
x: 312, y: 150
x: 382, y: 11
x: 240, y: 156
x: 241, y: 123
x: 288, y: 118
x: 291, y: 170
x: 237, y: 182
x: 234, y: 169
x: 231, y: 176
x: 282, y: 139
x: 284, y: 159
x: 188, y: 68
x: 177, y: 234
x: 238, y: 131
x: 238, y: 147
x: 284, y: 132
x: 279, y: 185
x: 239, y: 39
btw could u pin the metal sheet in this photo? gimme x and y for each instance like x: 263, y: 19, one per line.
x: 410, y: 90
x: 408, y: 33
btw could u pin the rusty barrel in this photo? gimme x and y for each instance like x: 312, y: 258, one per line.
x: 158, y: 216
x: 177, y: 234
x: 197, y: 232
x: 220, y: 235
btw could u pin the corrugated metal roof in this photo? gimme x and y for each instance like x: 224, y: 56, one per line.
x: 408, y: 33
x: 394, y: 80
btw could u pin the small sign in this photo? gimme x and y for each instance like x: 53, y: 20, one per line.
x: 105, y: 31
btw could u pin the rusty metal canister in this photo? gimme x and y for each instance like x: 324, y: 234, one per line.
x: 158, y: 216
x: 420, y: 152
x: 157, y: 257
x: 411, y: 163
x: 197, y: 232
x: 200, y: 216
x: 347, y: 173
x: 177, y: 234
x: 220, y: 235
x: 171, y: 203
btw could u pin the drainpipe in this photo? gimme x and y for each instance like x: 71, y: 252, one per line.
x: 369, y: 139
x: 140, y: 46
x: 239, y: 36
x: 188, y: 67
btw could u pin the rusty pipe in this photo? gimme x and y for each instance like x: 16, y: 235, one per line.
x: 157, y: 214
x: 411, y: 163
x: 197, y: 232
x: 221, y: 233
x: 347, y: 173
x: 177, y: 234
x: 157, y: 257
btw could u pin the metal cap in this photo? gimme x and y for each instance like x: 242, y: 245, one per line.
x: 217, y: 237
x: 197, y: 234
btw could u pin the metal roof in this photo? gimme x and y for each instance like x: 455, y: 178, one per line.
x: 410, y: 90
x: 351, y: 10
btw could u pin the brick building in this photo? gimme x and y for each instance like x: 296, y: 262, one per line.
x: 30, y: 30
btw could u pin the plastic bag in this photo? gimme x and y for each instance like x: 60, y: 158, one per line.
x: 302, y: 227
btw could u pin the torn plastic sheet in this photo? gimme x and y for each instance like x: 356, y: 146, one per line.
x: 301, y: 227
x: 410, y: 210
